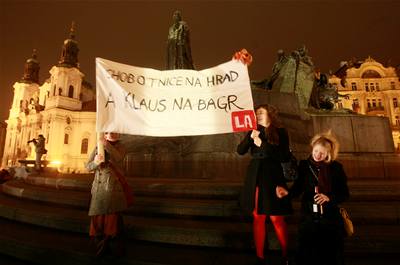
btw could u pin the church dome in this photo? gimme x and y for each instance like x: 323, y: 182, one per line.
x: 31, y: 69
x: 70, y: 50
x: 371, y: 74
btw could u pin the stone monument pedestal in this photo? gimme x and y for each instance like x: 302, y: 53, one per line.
x: 208, y: 157
x: 366, y: 143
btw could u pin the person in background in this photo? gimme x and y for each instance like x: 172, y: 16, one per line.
x: 111, y: 195
x: 5, y: 176
x: 40, y: 150
x: 265, y: 186
x: 323, y: 183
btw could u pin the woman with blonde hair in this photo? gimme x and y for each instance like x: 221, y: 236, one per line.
x: 323, y: 183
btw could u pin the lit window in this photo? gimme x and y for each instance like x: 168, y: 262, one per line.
x: 71, y: 92
x: 372, y: 87
x: 355, y: 105
x: 353, y: 86
x: 84, y: 146
x: 66, y: 138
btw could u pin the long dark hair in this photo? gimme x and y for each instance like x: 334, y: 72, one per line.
x: 271, y: 132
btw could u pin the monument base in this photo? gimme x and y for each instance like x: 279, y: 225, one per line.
x: 366, y: 143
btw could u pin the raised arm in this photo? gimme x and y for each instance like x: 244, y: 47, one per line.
x: 90, y: 164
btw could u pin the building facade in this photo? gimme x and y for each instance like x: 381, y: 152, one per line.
x: 3, y: 130
x: 62, y: 109
x: 372, y: 89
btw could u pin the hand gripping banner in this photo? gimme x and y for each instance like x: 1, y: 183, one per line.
x: 143, y: 101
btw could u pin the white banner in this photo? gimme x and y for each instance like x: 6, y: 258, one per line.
x: 143, y: 101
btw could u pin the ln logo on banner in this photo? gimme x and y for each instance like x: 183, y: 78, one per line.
x: 243, y: 121
x: 143, y: 101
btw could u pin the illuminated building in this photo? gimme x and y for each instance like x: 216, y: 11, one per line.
x: 62, y: 109
x: 373, y: 89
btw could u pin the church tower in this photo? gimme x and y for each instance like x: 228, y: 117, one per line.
x: 65, y: 85
x: 26, y: 91
x: 24, y: 121
x: 62, y: 109
x: 69, y: 53
x: 31, y: 70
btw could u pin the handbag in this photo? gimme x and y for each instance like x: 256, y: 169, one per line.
x: 348, y: 224
x: 290, y: 168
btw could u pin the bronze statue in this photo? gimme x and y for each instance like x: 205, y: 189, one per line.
x: 282, y: 59
x: 301, y: 54
x: 179, y: 55
x: 324, y: 95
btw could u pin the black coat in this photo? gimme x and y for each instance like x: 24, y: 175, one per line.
x: 320, y: 238
x: 305, y: 184
x: 265, y: 172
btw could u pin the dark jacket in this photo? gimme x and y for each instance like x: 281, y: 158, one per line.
x: 306, y: 182
x: 265, y: 172
x: 320, y: 237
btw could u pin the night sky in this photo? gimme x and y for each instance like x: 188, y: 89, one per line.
x: 135, y: 32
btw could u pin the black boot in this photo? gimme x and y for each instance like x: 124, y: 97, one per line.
x: 260, y: 261
x: 117, y: 246
x: 102, y: 246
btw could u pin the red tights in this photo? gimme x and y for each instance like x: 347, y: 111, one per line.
x: 260, y: 231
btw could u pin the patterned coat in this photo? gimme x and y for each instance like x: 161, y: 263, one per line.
x: 107, y: 192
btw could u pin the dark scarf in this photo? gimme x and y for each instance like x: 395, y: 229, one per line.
x: 321, y: 169
x: 113, y: 142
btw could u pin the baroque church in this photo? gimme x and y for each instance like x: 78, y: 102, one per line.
x: 62, y: 109
x: 371, y: 89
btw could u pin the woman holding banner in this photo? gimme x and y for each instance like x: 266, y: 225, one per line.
x: 110, y: 194
x: 265, y: 190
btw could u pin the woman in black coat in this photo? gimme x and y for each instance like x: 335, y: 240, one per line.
x: 265, y: 186
x: 323, y: 183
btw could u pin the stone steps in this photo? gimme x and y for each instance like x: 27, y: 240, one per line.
x: 195, y: 215
x: 143, y: 204
x: 360, y: 190
x: 40, y: 245
x: 47, y: 246
x: 156, y: 229
x: 362, y: 212
x: 176, y: 229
